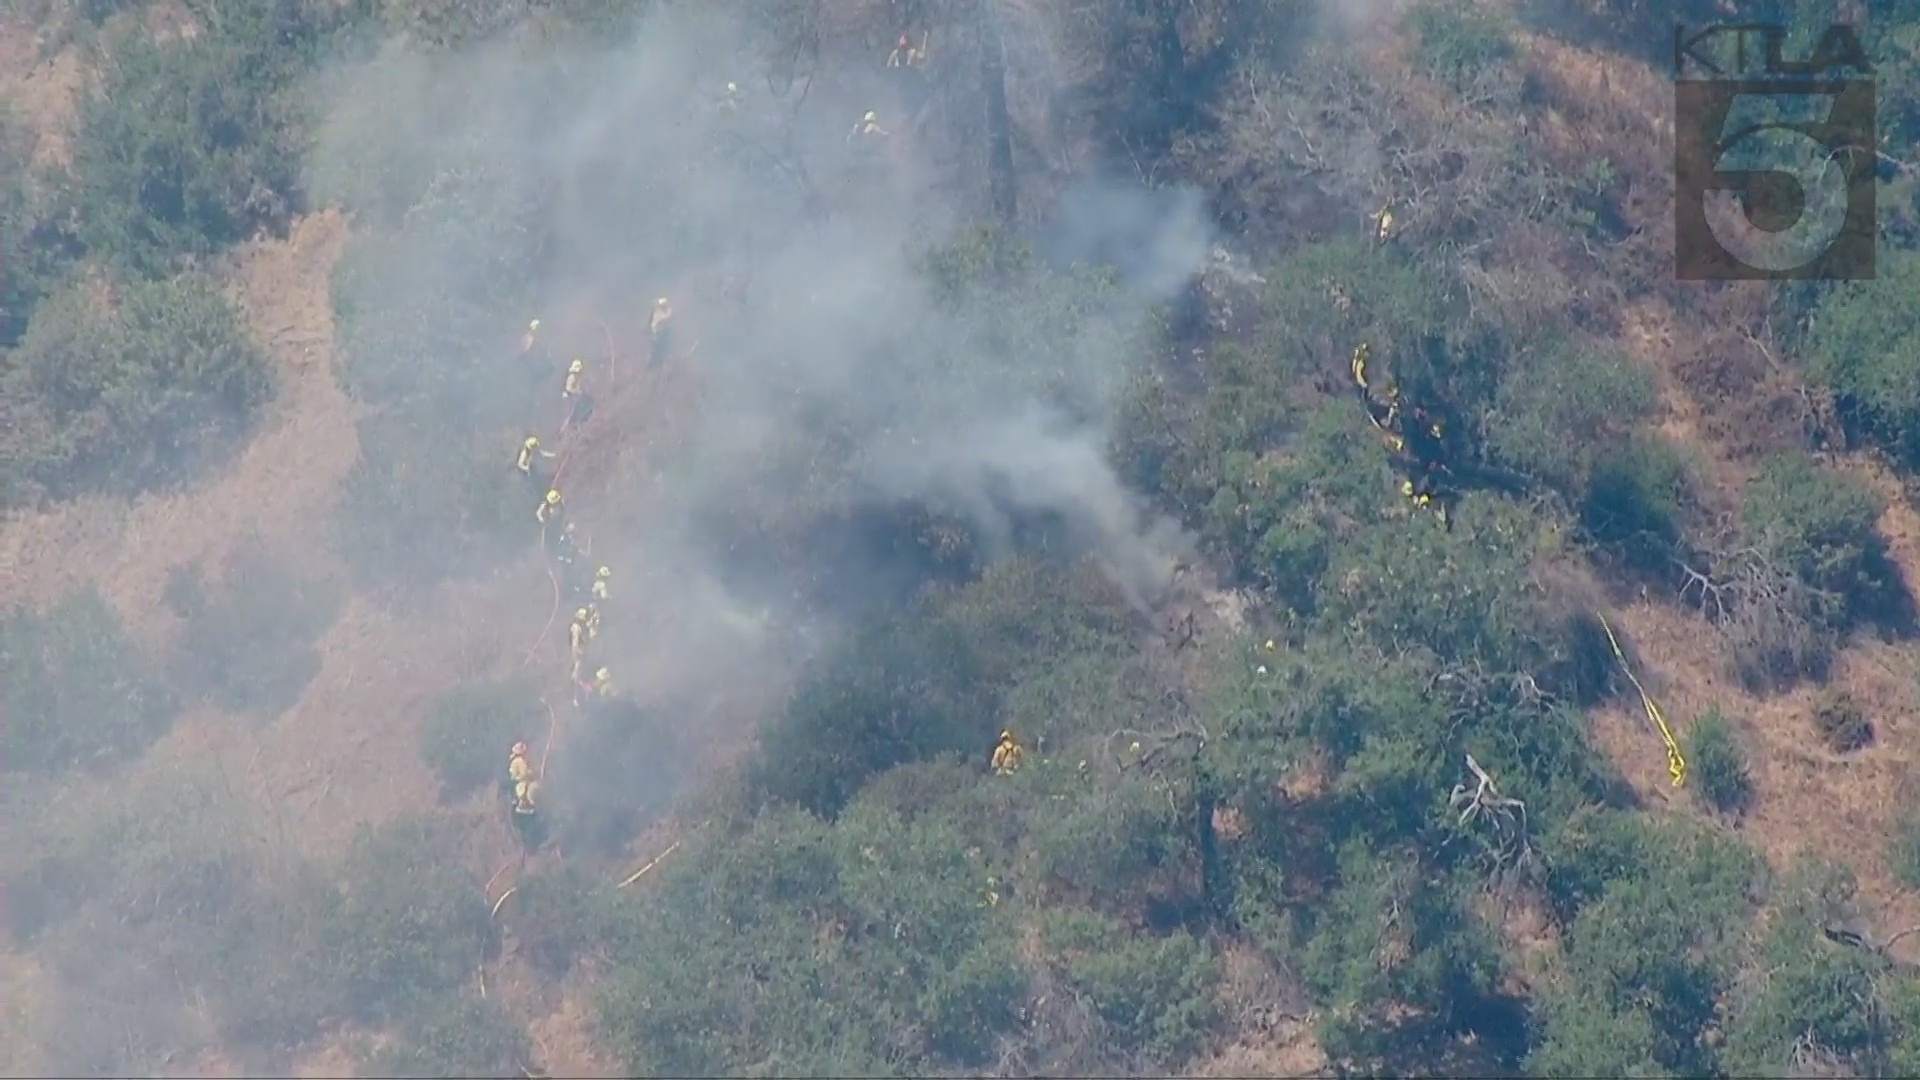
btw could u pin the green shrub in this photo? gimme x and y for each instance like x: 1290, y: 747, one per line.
x: 37, y: 251
x: 145, y: 391
x: 1154, y: 996
x: 1636, y: 499
x: 792, y: 943
x: 1840, y: 722
x: 1717, y: 764
x: 1561, y: 406
x: 1812, y: 993
x: 1394, y: 955
x: 190, y: 144
x: 556, y: 915
x: 1864, y: 343
x: 412, y: 921
x: 455, y: 1035
x: 421, y: 510
x: 252, y: 645
x: 1460, y: 40
x: 470, y: 728
x: 1823, y: 525
x: 79, y: 691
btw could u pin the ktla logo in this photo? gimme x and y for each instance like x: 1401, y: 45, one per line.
x: 1774, y: 161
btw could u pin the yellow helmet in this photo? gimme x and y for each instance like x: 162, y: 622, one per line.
x: 871, y: 117
x: 534, y: 325
x: 576, y: 367
x: 1406, y: 487
x: 1006, y: 736
x: 531, y: 443
x: 602, y: 675
x: 660, y: 303
x: 604, y: 573
x: 520, y: 749
x: 733, y: 88
x: 580, y: 616
x: 553, y: 497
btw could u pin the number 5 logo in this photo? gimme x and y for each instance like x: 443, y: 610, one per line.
x: 1779, y: 147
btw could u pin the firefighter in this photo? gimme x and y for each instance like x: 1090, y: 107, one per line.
x: 571, y: 388
x: 730, y: 102
x: 904, y: 55
x: 518, y: 770
x: 526, y: 339
x: 551, y: 509
x: 593, y: 621
x: 579, y: 633
x: 657, y: 339
x: 867, y: 128
x: 600, y: 579
x: 1006, y: 755
x: 526, y: 789
x: 1381, y: 221
x: 600, y: 687
x: 530, y: 452
x: 1385, y: 414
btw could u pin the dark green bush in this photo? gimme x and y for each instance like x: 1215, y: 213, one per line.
x: 412, y: 921
x: 251, y: 645
x: 455, y: 1035
x: 1823, y: 525
x: 1154, y: 997
x: 1717, y: 764
x: 34, y: 244
x: 1637, y: 498
x: 79, y: 691
x: 1864, y: 343
x: 931, y: 681
x: 1561, y: 406
x: 1809, y: 1003
x: 470, y: 728
x: 1396, y: 958
x: 143, y: 391
x: 795, y: 944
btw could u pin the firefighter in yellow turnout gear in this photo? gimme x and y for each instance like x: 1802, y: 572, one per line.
x: 551, y: 509
x: 530, y: 455
x: 600, y: 579
x: 1415, y: 437
x: 1007, y: 754
x: 571, y: 388
x: 659, y: 340
x: 525, y: 786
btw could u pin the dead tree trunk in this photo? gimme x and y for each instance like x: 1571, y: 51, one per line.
x: 993, y: 79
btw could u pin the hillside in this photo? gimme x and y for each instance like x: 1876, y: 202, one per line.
x: 1027, y: 407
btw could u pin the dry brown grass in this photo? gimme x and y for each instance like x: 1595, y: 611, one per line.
x: 42, y: 93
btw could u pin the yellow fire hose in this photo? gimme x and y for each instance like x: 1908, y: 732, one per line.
x: 656, y: 862
x: 1676, y: 764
